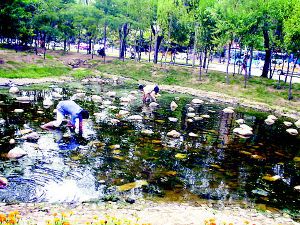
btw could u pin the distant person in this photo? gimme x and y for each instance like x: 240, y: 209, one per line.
x: 149, y: 92
x: 64, y: 108
x: 101, y: 52
x: 244, y: 63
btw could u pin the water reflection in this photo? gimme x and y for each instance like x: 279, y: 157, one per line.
x: 207, y: 160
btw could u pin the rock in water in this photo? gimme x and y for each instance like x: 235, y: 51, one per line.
x: 16, y: 153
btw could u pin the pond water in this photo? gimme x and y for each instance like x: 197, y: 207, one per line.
x: 119, y: 158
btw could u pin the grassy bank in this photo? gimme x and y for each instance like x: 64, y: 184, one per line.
x: 28, y: 65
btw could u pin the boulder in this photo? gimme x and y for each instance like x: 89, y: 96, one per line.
x: 14, y: 90
x: 96, y: 98
x: 292, y: 131
x: 31, y: 136
x: 135, y: 117
x: 272, y: 117
x: 173, y: 106
x: 269, y: 121
x: 173, y: 119
x: 197, y: 101
x: 288, y: 124
x: 240, y: 121
x: 153, y: 104
x: 3, y: 182
x: 147, y: 132
x: 16, y: 153
x: 228, y: 110
x: 173, y: 133
x: 19, y: 110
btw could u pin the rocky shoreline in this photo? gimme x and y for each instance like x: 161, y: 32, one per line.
x: 214, y: 96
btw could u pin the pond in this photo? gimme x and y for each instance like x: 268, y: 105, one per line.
x: 125, y: 157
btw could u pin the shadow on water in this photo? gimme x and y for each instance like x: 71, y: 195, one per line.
x: 124, y: 157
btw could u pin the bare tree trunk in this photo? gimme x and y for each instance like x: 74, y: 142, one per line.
x: 200, y: 66
x: 228, y: 62
x: 104, y: 44
x: 150, y: 46
x: 268, y: 54
x: 195, y: 44
x: 290, y: 97
x: 250, y: 63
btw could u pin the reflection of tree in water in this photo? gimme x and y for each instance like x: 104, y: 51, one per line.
x: 225, y: 126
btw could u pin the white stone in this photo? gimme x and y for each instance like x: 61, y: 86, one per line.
x: 272, y: 117
x: 114, y: 121
x: 173, y: 106
x: 197, y: 101
x: 47, y: 102
x: 197, y: 118
x: 205, y: 116
x: 292, y: 131
x: 153, y: 104
x: 174, y: 134
x: 23, y: 98
x: 16, y: 152
x: 241, y: 131
x: 191, y: 115
x: 96, y: 98
x: 123, y: 112
x: 111, y: 93
x: 177, y: 98
x: 288, y: 124
x: 191, y: 134
x: 19, y: 110
x: 106, y: 102
x: 173, y: 119
x: 269, y: 121
x: 31, y: 136
x: 135, y: 117
x: 12, y: 141
x: 240, y: 121
x: 228, y: 110
x: 245, y: 126
x: 148, y: 132
x: 14, y: 90
x: 125, y: 99
x: 191, y: 109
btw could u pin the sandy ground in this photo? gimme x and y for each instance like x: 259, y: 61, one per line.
x: 146, y: 212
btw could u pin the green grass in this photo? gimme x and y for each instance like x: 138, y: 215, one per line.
x: 33, y: 71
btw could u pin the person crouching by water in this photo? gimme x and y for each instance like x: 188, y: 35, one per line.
x: 149, y: 93
x: 64, y: 108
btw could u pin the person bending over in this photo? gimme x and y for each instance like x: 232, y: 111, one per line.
x: 68, y: 107
x: 149, y: 92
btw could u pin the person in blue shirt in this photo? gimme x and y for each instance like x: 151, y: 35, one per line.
x: 68, y: 107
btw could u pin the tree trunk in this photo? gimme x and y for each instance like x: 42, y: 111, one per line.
x: 290, y: 97
x: 228, y: 61
x: 65, y: 45
x: 123, y: 32
x: 150, y: 46
x: 250, y: 63
x: 105, y: 37
x: 158, y: 41
x: 205, y: 58
x: 200, y: 66
x: 268, y: 54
